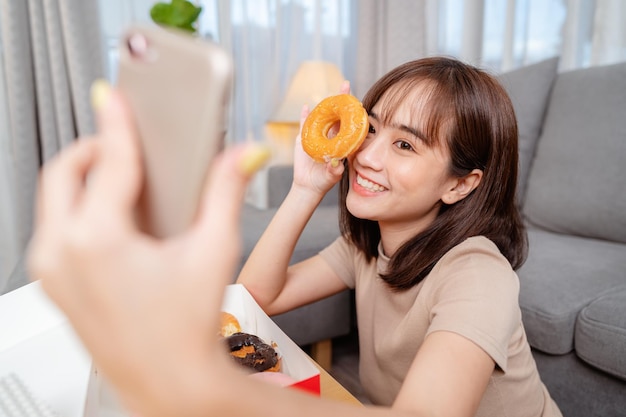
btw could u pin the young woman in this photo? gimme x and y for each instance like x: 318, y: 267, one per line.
x: 431, y: 238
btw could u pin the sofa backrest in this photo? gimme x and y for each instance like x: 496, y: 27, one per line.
x: 529, y: 88
x: 577, y: 180
x: 279, y: 179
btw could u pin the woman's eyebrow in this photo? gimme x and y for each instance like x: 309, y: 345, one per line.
x: 412, y: 130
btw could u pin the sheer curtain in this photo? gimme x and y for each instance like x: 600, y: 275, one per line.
x: 389, y: 33
x: 609, y: 35
x: 366, y: 38
x: 50, y: 56
x: 9, y: 253
x: 270, y: 38
x: 506, y: 34
x: 267, y: 38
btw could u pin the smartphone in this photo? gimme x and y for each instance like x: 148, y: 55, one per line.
x: 178, y: 87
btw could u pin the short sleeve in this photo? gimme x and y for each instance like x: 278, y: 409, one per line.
x: 340, y: 256
x: 474, y: 293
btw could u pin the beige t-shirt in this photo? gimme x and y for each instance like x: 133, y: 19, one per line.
x: 472, y: 291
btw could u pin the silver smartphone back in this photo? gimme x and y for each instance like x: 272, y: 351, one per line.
x: 179, y: 88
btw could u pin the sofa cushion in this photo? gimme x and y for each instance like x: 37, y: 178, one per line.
x: 529, y: 88
x: 601, y: 334
x: 561, y: 276
x: 579, y: 389
x: 576, y: 184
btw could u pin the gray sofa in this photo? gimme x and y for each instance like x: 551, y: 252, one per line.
x: 573, y: 196
x: 573, y: 285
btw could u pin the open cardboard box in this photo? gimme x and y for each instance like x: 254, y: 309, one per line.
x: 253, y: 319
x: 38, y: 345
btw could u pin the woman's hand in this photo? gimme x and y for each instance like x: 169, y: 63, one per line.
x: 311, y: 175
x: 122, y: 290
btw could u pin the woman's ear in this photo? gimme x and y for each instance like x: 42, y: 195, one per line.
x: 463, y: 187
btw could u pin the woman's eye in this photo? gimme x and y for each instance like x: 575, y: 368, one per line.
x: 371, y: 129
x: 402, y: 144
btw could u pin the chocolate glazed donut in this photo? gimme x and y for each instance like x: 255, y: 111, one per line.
x: 250, y: 351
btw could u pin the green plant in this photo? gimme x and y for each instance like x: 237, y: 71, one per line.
x: 181, y: 14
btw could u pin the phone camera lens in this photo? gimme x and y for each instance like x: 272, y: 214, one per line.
x: 137, y: 45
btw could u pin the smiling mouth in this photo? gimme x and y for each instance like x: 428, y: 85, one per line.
x: 369, y: 185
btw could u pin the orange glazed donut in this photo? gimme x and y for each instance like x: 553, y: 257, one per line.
x: 229, y: 324
x: 353, y: 126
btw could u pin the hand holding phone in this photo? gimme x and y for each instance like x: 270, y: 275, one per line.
x: 178, y: 87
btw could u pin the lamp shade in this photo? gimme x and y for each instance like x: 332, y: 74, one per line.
x: 313, y: 81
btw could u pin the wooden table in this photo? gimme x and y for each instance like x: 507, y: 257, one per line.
x: 332, y: 389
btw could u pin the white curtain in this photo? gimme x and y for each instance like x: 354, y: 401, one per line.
x: 268, y: 40
x: 51, y: 53
x: 506, y: 34
x: 609, y: 34
x: 9, y: 253
x: 365, y: 38
x: 389, y: 33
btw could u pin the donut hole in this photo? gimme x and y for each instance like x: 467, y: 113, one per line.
x: 334, y: 130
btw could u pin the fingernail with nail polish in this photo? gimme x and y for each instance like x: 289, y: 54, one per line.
x: 253, y: 158
x: 100, y: 93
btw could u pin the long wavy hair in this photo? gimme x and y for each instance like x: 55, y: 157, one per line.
x: 470, y: 114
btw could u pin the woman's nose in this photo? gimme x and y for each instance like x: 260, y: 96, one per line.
x: 372, y: 153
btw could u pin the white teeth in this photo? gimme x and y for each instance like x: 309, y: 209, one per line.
x: 369, y: 185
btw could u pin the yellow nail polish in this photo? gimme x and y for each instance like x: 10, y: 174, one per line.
x: 253, y: 158
x: 334, y: 162
x: 100, y: 93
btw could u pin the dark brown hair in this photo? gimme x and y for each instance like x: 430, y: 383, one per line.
x: 471, y: 115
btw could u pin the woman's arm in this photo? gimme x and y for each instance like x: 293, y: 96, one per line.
x: 275, y: 285
x: 448, y: 377
x: 266, y: 274
x: 245, y: 397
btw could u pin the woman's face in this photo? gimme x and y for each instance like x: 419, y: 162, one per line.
x: 395, y: 178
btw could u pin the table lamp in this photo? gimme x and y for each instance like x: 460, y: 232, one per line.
x: 313, y: 81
